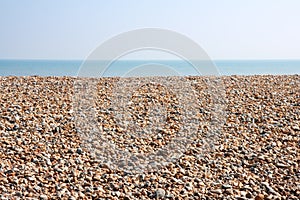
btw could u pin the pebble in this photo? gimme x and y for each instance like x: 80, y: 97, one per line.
x: 43, y: 197
x: 280, y: 165
x: 259, y: 197
x: 160, y: 193
x: 249, y: 195
x: 243, y: 193
x: 79, y: 151
x: 226, y: 186
x: 189, y: 186
x: 269, y: 188
x: 217, y: 191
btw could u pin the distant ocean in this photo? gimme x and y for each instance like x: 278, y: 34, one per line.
x: 71, y: 67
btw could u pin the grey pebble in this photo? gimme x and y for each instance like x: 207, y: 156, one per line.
x: 160, y: 193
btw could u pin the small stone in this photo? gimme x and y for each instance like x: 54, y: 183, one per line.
x: 269, y: 188
x: 142, y: 177
x: 97, y: 177
x: 249, y: 195
x: 226, y: 186
x: 117, y: 193
x: 3, y: 180
x: 189, y: 186
x: 247, y: 187
x: 260, y: 197
x: 79, y: 151
x: 48, y: 162
x: 43, y: 197
x: 280, y: 165
x: 70, y: 151
x: 160, y: 193
x: 37, y: 188
x: 240, y: 198
x: 182, y: 171
x: 18, y: 194
x: 89, y: 190
x: 170, y: 196
x: 31, y: 178
x: 81, y: 195
x: 229, y: 191
x: 217, y: 191
x: 243, y: 193
x: 16, y: 127
x: 197, y: 180
x: 296, y: 128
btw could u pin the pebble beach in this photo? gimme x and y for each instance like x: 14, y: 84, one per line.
x: 255, y: 156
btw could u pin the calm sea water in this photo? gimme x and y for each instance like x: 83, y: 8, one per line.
x: 71, y: 67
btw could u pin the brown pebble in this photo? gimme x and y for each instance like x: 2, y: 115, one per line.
x: 260, y: 197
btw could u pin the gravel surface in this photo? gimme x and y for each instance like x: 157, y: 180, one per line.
x: 255, y: 156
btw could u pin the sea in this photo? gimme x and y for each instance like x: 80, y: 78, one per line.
x: 121, y: 67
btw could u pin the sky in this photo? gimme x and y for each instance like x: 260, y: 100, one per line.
x: 226, y: 29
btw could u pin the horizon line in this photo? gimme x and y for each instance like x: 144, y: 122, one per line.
x: 229, y: 59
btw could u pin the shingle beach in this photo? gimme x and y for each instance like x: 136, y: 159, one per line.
x: 255, y: 156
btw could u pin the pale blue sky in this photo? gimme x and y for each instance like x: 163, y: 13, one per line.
x: 226, y: 29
